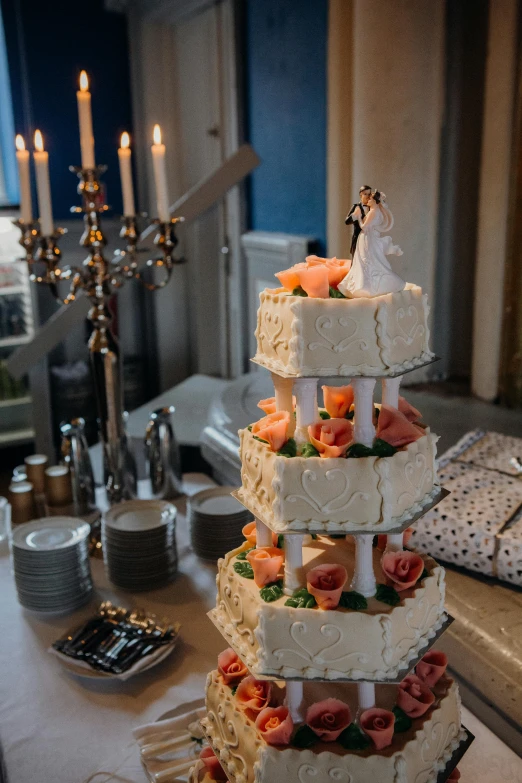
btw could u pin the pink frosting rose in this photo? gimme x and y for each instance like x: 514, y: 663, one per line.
x: 325, y: 583
x: 250, y: 533
x: 266, y: 564
x: 314, y: 280
x: 269, y: 405
x: 431, y: 667
x: 411, y: 413
x: 414, y: 697
x: 275, y: 725
x: 331, y: 437
x: 382, y: 539
x: 328, y: 718
x: 338, y: 400
x: 273, y: 428
x: 395, y: 429
x: 253, y: 694
x: 403, y: 569
x: 212, y: 764
x: 378, y: 724
x: 231, y: 667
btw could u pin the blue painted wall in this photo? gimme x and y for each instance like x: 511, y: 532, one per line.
x: 48, y: 44
x: 286, y: 114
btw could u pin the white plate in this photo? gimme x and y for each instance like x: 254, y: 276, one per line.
x: 216, y: 502
x: 50, y: 534
x: 135, y: 516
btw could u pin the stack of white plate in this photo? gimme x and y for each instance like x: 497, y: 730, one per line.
x: 51, y: 564
x: 139, y: 544
x: 216, y: 521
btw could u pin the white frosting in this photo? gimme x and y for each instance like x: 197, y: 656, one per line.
x: 321, y: 495
x: 415, y: 756
x: 299, y: 336
x: 274, y: 639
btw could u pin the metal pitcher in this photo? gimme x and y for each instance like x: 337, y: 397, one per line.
x: 162, y: 455
x: 75, y: 453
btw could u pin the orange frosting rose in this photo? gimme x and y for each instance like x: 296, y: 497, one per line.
x: 338, y: 268
x: 411, y: 413
x: 212, y: 764
x: 269, y: 405
x: 414, y: 697
x: 431, y: 667
x: 325, y: 583
x: 403, y: 569
x: 250, y: 533
x: 332, y: 437
x: 266, y: 564
x: 231, y: 667
x: 289, y: 278
x: 275, y: 725
x: 378, y: 725
x: 314, y: 280
x: 395, y: 429
x: 273, y: 428
x: 338, y: 400
x: 253, y: 694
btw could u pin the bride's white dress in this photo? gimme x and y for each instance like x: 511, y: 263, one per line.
x: 371, y: 273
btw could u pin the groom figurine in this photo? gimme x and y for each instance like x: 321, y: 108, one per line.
x: 358, y: 211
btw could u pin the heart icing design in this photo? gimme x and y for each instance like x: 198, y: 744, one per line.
x: 299, y: 632
x: 255, y: 475
x: 324, y: 322
x: 312, y: 484
x: 407, y: 334
x: 273, y: 328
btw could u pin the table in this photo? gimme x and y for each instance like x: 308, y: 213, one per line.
x: 56, y: 728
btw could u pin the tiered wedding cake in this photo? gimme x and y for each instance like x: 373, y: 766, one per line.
x: 329, y: 675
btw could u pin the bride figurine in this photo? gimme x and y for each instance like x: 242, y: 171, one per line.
x: 371, y: 273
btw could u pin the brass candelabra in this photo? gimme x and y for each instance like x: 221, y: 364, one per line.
x: 99, y: 278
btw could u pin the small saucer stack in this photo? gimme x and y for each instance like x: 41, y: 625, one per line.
x: 216, y: 520
x: 51, y: 567
x: 139, y: 544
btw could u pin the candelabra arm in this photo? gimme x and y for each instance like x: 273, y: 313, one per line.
x: 166, y: 241
x: 30, y: 234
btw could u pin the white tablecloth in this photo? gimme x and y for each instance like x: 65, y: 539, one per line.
x: 56, y: 728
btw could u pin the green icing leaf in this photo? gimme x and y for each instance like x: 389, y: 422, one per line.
x: 272, y: 592
x: 424, y: 574
x: 314, y: 536
x: 350, y: 415
x: 249, y: 428
x: 387, y: 595
x: 352, y: 738
x: 233, y: 690
x: 383, y: 449
x: 281, y: 541
x: 299, y: 291
x: 198, y: 740
x: 301, y: 599
x: 244, y: 569
x: 358, y: 450
x: 353, y: 600
x: 335, y: 294
x: 304, y: 737
x: 242, y: 555
x: 260, y: 439
x: 324, y: 415
x: 402, y: 721
x: 308, y: 450
x: 289, y: 449
x: 376, y: 411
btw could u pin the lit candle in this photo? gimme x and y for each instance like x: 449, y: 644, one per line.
x: 22, y: 156
x: 160, y: 176
x: 41, y: 162
x: 85, y: 117
x: 124, y: 155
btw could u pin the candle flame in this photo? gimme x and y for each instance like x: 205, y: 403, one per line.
x: 125, y: 140
x: 38, y: 141
x: 157, y: 134
x: 20, y: 143
x: 84, y: 81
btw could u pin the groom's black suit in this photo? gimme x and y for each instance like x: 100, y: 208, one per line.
x: 350, y: 220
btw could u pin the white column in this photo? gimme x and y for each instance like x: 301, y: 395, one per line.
x: 364, y: 579
x: 283, y: 397
x: 364, y: 431
x: 394, y: 543
x: 263, y: 535
x: 294, y: 699
x: 294, y: 571
x: 306, y: 407
x: 366, y: 695
x: 390, y: 391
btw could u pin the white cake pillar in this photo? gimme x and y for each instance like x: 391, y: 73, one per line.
x: 363, y: 431
x: 305, y: 407
x: 394, y: 543
x: 294, y: 700
x: 263, y: 535
x: 283, y: 397
x: 363, y: 581
x: 295, y: 577
x: 366, y: 695
x: 390, y: 391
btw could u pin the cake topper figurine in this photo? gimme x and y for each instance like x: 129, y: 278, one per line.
x: 358, y: 212
x: 371, y: 273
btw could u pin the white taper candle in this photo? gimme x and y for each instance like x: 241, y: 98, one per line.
x: 127, y: 188
x: 43, y: 187
x: 83, y: 97
x: 160, y: 176
x: 24, y: 175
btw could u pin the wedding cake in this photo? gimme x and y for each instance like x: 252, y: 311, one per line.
x: 330, y: 617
